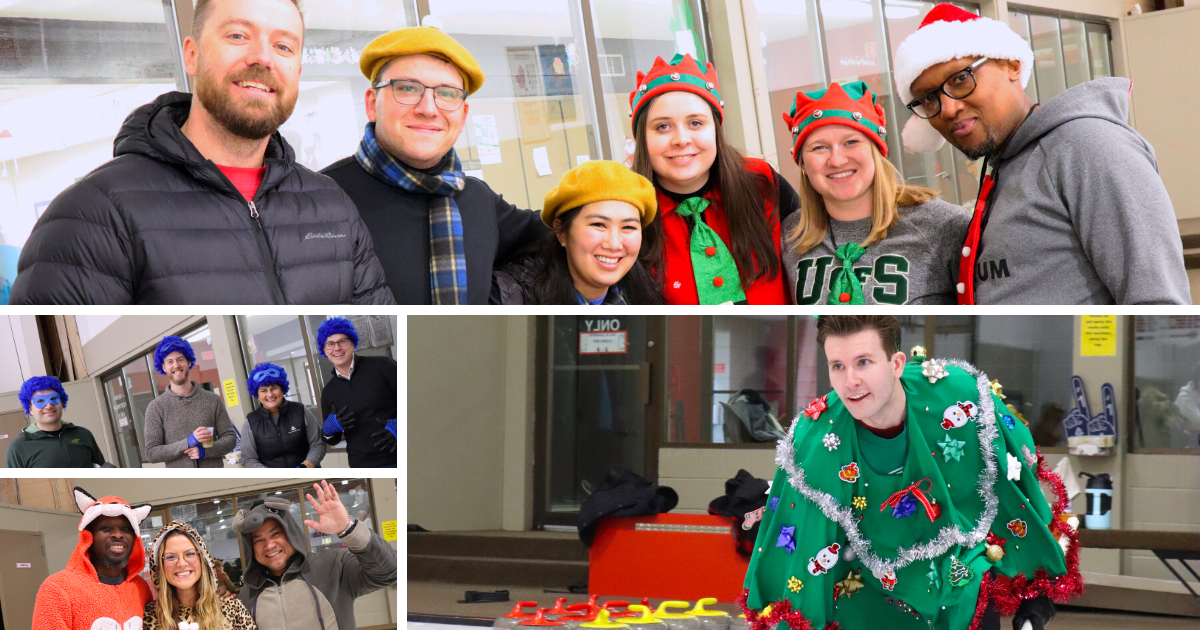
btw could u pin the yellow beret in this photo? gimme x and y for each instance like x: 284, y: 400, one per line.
x: 420, y: 40
x: 600, y: 180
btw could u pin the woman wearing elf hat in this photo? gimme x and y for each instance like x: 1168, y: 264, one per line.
x: 717, y: 237
x: 908, y: 498
x: 857, y: 216
x: 280, y: 433
x: 598, y: 212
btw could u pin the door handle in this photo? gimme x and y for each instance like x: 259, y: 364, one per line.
x: 644, y: 382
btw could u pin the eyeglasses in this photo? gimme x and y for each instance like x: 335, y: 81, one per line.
x: 171, y: 559
x: 958, y: 86
x: 340, y: 343
x: 409, y: 92
x: 46, y: 399
x: 268, y: 373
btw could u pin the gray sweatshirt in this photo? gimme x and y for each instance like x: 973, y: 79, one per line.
x: 170, y: 419
x: 316, y: 447
x: 916, y: 264
x: 1078, y: 213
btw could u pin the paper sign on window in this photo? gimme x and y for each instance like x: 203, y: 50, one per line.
x: 603, y: 342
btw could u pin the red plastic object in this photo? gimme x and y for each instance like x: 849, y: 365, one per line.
x: 687, y: 565
x: 540, y: 620
x: 517, y: 613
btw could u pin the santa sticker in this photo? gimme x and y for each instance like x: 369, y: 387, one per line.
x: 887, y: 579
x: 958, y: 415
x: 824, y: 560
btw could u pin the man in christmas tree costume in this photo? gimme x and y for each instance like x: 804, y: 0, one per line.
x: 907, y: 496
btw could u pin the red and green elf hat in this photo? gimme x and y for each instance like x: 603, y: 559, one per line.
x: 852, y: 105
x: 682, y: 74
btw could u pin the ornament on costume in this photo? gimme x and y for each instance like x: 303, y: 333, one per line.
x: 917, y: 353
x: 774, y: 503
x: 1020, y: 416
x: 960, y: 574
x: 849, y: 472
x: 958, y: 415
x: 904, y: 507
x: 888, y: 579
x: 769, y: 482
x: 845, y: 287
x: 998, y: 389
x: 1014, y: 467
x: 787, y: 538
x: 848, y: 586
x: 1009, y: 421
x: 905, y: 608
x: 848, y: 555
x: 947, y: 33
x: 753, y: 517
x: 715, y: 271
x: 951, y: 448
x: 794, y: 584
x: 934, y: 369
x: 816, y: 407
x: 831, y: 441
x: 1017, y: 527
x: 1030, y: 456
x: 935, y: 576
x: 995, y: 548
x: 932, y: 509
x: 824, y: 560
x: 859, y: 502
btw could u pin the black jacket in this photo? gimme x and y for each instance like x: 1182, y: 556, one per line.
x: 623, y: 493
x: 370, y: 394
x: 160, y: 224
x: 493, y: 231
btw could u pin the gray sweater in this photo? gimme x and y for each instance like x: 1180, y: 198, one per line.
x: 316, y: 447
x: 1078, y: 213
x: 916, y: 264
x: 170, y: 419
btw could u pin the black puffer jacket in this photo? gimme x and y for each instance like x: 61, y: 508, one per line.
x: 160, y: 224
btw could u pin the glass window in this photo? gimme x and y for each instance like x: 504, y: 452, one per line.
x: 213, y: 520
x: 140, y: 388
x: 149, y: 528
x: 355, y: 496
x: 204, y: 373
x: 1075, y: 52
x: 531, y: 120
x: 1166, y: 377
x: 1047, y: 56
x: 1019, y: 22
x: 330, y: 113
x: 278, y: 339
x: 129, y: 439
x: 1099, y: 51
x: 70, y: 74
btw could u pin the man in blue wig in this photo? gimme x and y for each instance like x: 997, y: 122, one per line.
x: 186, y: 426
x: 359, y: 401
x: 49, y: 442
x: 280, y: 433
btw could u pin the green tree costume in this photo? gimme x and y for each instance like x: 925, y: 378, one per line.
x: 843, y: 545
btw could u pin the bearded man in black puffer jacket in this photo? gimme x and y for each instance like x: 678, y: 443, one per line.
x: 204, y: 202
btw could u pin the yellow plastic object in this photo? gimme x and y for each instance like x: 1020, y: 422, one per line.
x: 602, y: 621
x: 647, y: 615
x: 699, y: 610
x: 663, y: 613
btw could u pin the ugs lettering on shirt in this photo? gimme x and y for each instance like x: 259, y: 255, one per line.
x: 889, y: 271
x: 323, y: 235
x: 991, y: 269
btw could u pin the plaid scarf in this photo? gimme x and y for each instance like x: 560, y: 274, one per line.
x: 447, y: 256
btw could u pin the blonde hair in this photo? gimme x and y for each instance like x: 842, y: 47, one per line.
x: 888, y: 192
x: 207, y: 611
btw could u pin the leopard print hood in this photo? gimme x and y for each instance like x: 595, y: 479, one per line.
x: 156, y: 561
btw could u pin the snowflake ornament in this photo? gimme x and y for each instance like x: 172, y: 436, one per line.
x: 831, y: 441
x: 1014, y: 467
x: 934, y: 369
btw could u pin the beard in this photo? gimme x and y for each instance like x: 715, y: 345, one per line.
x: 252, y: 120
x: 109, y: 562
x: 183, y: 378
x: 989, y: 146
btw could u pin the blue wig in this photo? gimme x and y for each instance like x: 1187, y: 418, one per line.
x: 335, y: 326
x: 173, y: 344
x: 37, y: 384
x: 266, y: 374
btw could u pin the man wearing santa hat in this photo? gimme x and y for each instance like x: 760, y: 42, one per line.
x: 1072, y: 203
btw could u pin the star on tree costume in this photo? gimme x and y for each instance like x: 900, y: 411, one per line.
x: 919, y: 542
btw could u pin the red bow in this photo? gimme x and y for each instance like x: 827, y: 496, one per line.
x: 993, y: 539
x: 814, y: 409
x: 931, y: 509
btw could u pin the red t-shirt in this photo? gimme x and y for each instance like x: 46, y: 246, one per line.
x: 246, y: 180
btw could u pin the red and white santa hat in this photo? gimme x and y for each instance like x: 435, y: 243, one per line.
x: 949, y: 32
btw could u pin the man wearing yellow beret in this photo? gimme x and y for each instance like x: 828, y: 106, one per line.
x: 597, y: 212
x: 437, y: 232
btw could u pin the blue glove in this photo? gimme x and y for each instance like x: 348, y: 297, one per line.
x: 390, y: 425
x: 192, y: 442
x: 331, y: 426
x: 338, y: 421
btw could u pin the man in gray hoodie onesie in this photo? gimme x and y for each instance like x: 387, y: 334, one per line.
x: 286, y: 587
x: 1073, y: 210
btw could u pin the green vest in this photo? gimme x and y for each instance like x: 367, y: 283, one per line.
x: 844, y: 543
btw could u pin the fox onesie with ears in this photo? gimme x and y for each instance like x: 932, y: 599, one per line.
x: 75, y: 599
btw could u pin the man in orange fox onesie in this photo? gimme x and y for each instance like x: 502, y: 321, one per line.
x: 101, y: 588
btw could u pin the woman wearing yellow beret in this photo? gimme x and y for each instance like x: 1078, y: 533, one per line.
x: 597, y: 213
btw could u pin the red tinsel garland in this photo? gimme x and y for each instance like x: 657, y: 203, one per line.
x: 1006, y: 593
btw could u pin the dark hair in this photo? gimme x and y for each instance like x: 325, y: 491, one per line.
x: 887, y: 326
x: 204, y: 7
x: 554, y: 284
x: 743, y: 193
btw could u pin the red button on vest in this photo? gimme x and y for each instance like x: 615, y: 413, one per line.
x: 710, y: 250
x: 718, y: 281
x: 845, y: 297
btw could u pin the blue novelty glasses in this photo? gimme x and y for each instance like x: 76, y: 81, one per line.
x: 46, y: 399
x: 264, y: 374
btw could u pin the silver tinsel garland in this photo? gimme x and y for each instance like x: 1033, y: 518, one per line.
x: 949, y: 536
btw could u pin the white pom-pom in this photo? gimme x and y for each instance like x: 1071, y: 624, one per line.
x: 920, y: 136
x: 432, y: 21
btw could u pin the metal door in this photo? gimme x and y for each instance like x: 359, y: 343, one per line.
x: 22, y: 571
